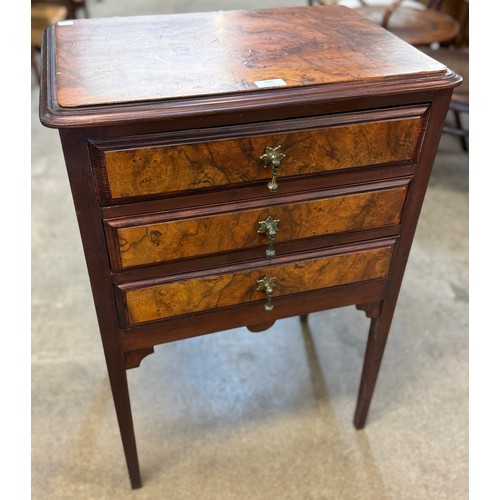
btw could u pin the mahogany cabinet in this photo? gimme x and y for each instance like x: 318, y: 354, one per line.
x: 230, y: 169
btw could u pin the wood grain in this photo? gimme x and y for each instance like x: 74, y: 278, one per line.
x: 216, y: 320
x: 153, y: 303
x: 131, y: 59
x: 154, y: 170
x: 138, y: 244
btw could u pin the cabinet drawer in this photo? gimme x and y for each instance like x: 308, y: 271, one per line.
x: 183, y: 163
x: 145, y: 302
x: 133, y: 242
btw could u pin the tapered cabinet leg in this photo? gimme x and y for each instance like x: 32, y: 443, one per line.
x: 377, y: 338
x: 119, y: 389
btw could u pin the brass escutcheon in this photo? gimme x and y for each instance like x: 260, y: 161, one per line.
x: 267, y: 284
x: 269, y: 227
x: 273, y: 157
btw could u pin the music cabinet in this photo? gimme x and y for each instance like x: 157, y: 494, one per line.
x: 230, y: 169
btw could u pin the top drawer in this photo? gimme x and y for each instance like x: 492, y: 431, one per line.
x: 146, y: 166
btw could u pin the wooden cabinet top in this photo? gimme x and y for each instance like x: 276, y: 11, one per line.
x: 115, y: 67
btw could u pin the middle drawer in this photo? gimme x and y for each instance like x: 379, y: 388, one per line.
x: 167, y: 236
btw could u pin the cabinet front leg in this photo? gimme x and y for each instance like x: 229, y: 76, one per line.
x: 377, y: 338
x: 119, y: 389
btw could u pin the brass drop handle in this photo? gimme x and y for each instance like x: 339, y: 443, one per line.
x: 269, y: 227
x: 267, y: 284
x: 273, y: 157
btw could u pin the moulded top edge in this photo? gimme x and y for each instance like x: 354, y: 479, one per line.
x: 99, y: 70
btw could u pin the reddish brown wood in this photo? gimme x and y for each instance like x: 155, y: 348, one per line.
x: 150, y: 165
x: 260, y: 327
x: 252, y: 256
x: 220, y: 319
x: 221, y: 53
x: 379, y: 329
x: 133, y: 358
x: 258, y: 194
x: 153, y: 170
x: 168, y: 237
x: 371, y: 309
x: 146, y: 302
x: 362, y: 76
x: 78, y: 162
x: 408, y: 69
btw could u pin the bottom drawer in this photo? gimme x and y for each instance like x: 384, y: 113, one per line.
x: 156, y: 300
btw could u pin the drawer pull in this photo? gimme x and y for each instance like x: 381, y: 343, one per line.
x: 273, y: 157
x: 269, y: 227
x: 267, y: 284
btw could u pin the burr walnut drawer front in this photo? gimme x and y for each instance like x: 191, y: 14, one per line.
x: 159, y: 299
x: 152, y: 239
x: 145, y: 166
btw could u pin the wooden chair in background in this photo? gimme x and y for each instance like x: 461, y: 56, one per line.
x: 417, y: 23
x: 47, y: 12
x: 72, y: 6
x: 75, y: 6
x: 426, y: 26
x: 455, y: 56
x: 42, y: 16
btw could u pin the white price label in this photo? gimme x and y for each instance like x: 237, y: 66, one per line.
x: 276, y: 82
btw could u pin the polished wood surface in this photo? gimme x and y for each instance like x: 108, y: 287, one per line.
x: 152, y: 303
x: 222, y: 52
x: 133, y: 85
x: 153, y: 170
x: 163, y: 240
